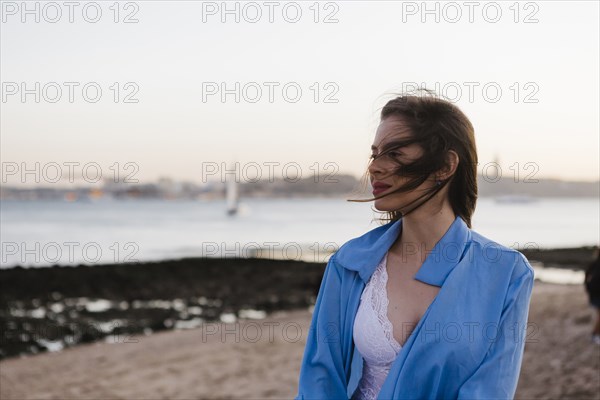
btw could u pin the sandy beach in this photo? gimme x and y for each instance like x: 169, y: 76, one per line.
x: 260, y: 359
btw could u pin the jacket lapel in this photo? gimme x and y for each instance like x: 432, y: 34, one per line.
x: 364, y: 253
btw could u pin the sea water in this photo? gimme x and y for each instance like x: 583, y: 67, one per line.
x: 43, y: 233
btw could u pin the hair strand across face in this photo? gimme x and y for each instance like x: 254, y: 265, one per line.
x: 437, y: 126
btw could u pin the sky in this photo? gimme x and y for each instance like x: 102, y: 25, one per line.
x: 160, y: 89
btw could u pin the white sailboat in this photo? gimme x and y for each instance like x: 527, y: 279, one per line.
x: 232, y: 196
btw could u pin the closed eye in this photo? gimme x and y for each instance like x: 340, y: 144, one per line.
x: 393, y: 154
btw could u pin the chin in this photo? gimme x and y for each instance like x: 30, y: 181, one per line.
x: 386, y: 205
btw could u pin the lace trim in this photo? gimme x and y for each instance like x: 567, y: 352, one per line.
x: 381, y: 302
x: 365, y: 393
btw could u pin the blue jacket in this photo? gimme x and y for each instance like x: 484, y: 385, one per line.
x: 469, y: 343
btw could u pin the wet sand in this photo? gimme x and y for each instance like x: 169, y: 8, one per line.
x: 219, y: 361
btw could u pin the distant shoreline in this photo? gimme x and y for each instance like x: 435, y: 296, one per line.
x: 337, y: 185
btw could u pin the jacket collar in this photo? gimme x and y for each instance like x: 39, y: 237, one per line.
x: 364, y: 253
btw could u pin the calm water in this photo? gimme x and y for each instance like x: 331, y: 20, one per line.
x: 47, y: 233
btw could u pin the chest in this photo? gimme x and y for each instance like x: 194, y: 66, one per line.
x: 408, y: 299
x: 445, y: 342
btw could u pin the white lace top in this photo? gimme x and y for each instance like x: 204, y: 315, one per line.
x: 373, y: 335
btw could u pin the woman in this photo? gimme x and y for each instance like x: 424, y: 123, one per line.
x: 422, y: 306
x: 592, y: 287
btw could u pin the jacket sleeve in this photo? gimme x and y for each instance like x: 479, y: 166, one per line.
x: 498, y: 374
x: 322, y: 373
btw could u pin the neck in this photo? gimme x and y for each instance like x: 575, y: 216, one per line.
x: 421, y: 230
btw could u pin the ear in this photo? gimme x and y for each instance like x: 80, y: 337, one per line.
x: 449, y: 169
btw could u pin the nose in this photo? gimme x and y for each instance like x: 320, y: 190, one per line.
x: 375, y: 167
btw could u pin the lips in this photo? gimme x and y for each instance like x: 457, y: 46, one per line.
x: 379, y: 187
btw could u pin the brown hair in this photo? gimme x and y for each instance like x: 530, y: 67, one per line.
x: 437, y: 126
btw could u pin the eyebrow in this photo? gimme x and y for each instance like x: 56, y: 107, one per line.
x: 394, y: 144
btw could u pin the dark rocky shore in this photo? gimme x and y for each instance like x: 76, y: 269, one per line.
x: 47, y: 309
x: 577, y: 258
